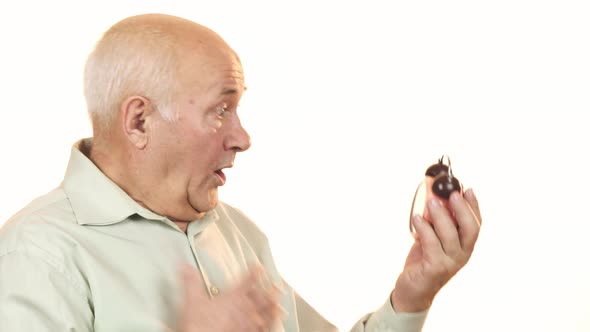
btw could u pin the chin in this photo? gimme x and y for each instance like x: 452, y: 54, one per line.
x: 205, y: 203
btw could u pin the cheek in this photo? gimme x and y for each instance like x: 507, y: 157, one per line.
x: 210, y: 121
x: 203, y: 156
x: 199, y: 144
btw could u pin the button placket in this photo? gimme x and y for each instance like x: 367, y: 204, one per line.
x: 195, y: 231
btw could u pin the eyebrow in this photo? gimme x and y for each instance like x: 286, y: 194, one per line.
x: 231, y: 91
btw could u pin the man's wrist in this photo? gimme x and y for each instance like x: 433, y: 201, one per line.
x: 402, y: 303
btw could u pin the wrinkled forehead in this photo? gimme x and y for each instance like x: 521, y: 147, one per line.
x: 205, y: 66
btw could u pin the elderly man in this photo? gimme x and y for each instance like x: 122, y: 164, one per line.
x: 135, y: 238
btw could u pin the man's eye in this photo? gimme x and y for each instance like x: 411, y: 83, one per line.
x: 221, y: 110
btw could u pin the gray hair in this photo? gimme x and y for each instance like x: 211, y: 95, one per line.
x: 130, y: 59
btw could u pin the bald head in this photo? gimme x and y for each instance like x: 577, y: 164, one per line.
x: 182, y: 31
x: 143, y: 56
x: 163, y: 94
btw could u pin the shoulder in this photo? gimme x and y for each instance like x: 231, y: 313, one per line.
x: 45, y: 231
x: 37, y: 223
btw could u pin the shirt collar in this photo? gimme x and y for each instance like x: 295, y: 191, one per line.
x: 95, y: 199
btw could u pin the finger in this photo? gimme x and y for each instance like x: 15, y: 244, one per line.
x: 473, y: 203
x: 254, y: 277
x: 252, y: 283
x: 255, y: 323
x: 444, y: 227
x: 263, y: 297
x: 259, y: 305
x: 274, y: 312
x: 467, y: 221
x: 247, y: 286
x: 248, y: 321
x: 267, y: 304
x: 430, y: 244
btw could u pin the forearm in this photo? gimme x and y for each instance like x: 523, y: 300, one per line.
x: 386, y: 319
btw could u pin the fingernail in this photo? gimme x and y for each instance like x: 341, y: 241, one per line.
x: 470, y: 193
x: 434, y: 203
x: 416, y: 218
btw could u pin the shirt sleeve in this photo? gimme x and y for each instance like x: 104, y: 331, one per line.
x: 384, y: 319
x: 35, y: 295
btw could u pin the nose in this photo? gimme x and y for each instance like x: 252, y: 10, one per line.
x: 238, y: 139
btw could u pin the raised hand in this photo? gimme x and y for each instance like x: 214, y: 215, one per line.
x: 252, y: 306
x: 441, y: 248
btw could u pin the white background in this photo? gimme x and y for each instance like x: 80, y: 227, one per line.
x: 348, y: 103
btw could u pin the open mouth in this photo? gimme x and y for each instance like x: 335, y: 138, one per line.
x: 221, y: 176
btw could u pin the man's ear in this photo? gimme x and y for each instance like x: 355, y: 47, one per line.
x: 135, y: 111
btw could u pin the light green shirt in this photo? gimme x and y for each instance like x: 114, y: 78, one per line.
x: 87, y: 257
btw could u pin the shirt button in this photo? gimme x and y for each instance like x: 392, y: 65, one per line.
x: 214, y: 291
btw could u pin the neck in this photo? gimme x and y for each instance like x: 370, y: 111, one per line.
x: 129, y: 172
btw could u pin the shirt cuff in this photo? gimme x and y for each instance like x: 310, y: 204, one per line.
x: 385, y: 319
